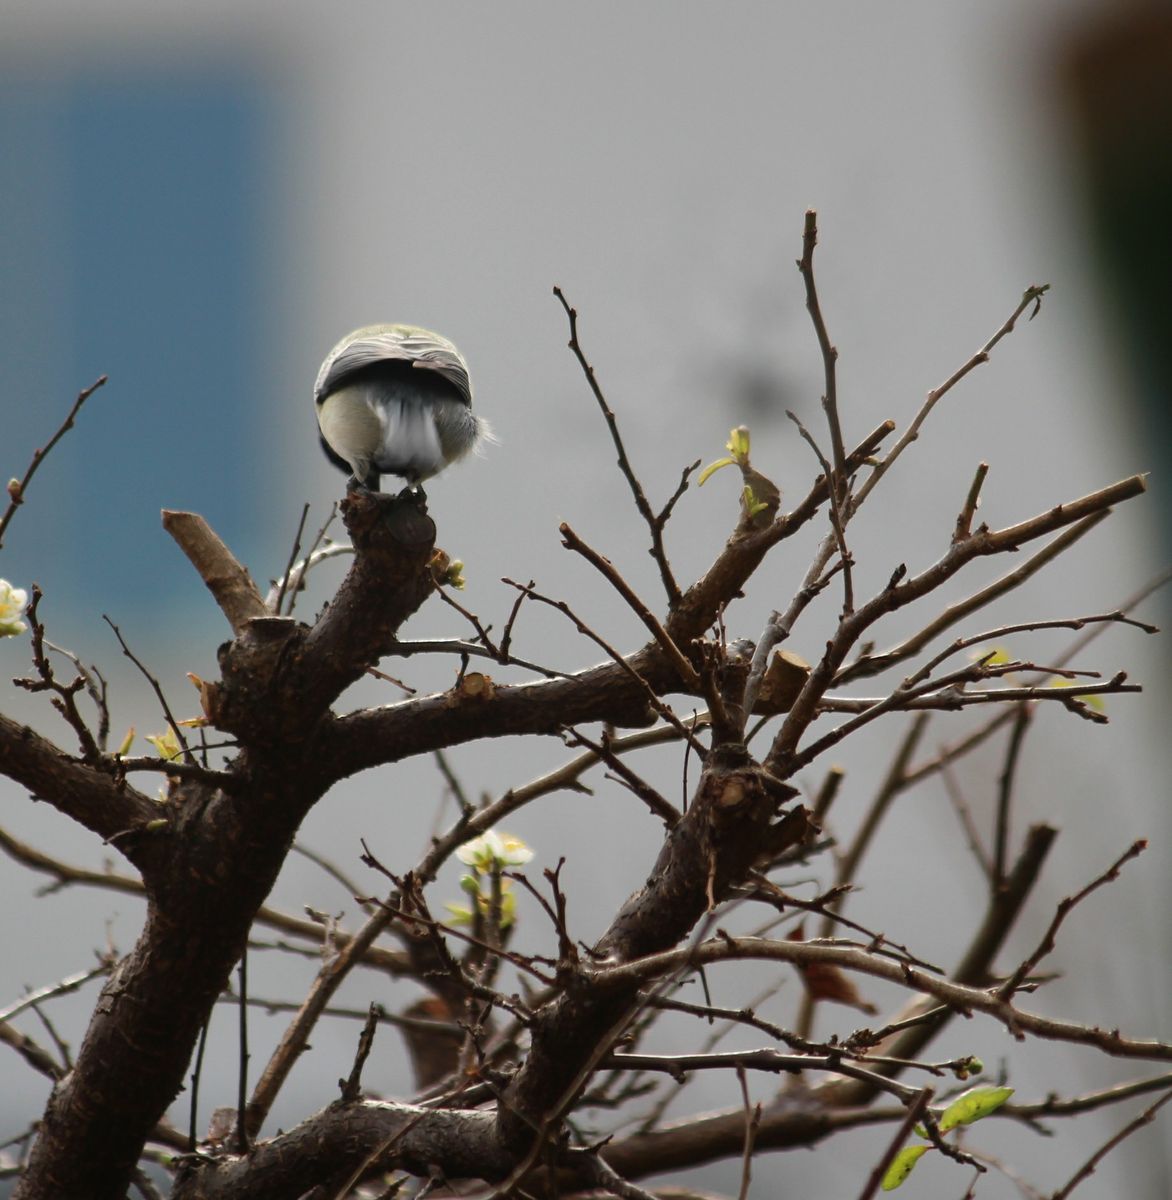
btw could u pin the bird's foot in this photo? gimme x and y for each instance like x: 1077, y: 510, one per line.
x: 414, y: 494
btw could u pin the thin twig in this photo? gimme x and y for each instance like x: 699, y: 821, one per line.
x: 1031, y: 297
x: 295, y: 582
x: 606, y: 568
x: 829, y: 355
x: 18, y: 488
x: 196, y: 1075
x: 654, y: 524
x: 662, y: 808
x: 475, y: 650
x: 1018, y: 729
x: 242, y: 1137
x: 836, y: 518
x: 331, y: 869
x: 752, y: 1123
x: 964, y: 522
x: 1046, y: 945
x: 964, y: 815
x: 63, y: 699
x: 352, y: 1087
x: 170, y: 716
x: 62, y: 987
x: 284, y: 580
x: 649, y: 692
x: 1088, y: 1168
x: 915, y: 1114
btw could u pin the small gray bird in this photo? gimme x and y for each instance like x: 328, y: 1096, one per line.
x: 395, y: 400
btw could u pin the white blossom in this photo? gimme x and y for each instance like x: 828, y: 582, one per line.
x: 12, y: 602
x: 492, y: 851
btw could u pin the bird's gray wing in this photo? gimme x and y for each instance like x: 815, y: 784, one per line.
x: 394, y: 343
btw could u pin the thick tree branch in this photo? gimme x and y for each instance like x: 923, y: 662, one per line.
x: 92, y: 797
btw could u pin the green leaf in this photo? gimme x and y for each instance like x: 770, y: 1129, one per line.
x: 738, y: 444
x: 458, y: 914
x: 713, y: 467
x: 972, y: 1105
x: 902, y: 1166
x: 752, y: 505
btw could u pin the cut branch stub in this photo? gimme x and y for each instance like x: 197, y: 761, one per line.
x: 279, y: 676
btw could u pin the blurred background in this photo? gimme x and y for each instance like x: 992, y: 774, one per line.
x: 199, y: 200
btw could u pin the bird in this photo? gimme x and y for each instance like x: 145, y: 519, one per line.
x: 395, y: 400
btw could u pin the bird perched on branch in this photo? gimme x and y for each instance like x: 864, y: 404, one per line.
x: 395, y: 400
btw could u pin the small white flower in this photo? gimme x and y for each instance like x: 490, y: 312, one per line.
x: 12, y: 602
x: 492, y: 851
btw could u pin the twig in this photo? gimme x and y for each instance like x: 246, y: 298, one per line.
x: 837, y: 516
x: 96, y: 688
x: 778, y: 627
x: 482, y: 631
x: 607, y: 569
x: 752, y: 1122
x: 284, y: 580
x: 475, y: 650
x: 847, y: 866
x: 829, y: 356
x: 63, y: 699
x: 827, y: 794
x: 32, y: 1052
x: 196, y: 1075
x: 992, y: 636
x: 649, y: 692
x: 947, y: 698
x: 961, y: 997
x: 964, y: 522
x: 872, y: 664
x: 63, y: 987
x: 17, y: 489
x: 1061, y: 1106
x: 242, y: 1136
x: 510, y: 622
x: 965, y: 816
x: 63, y: 1051
x: 421, y: 917
x: 1032, y: 296
x: 352, y: 1087
x: 661, y: 807
x: 563, y: 777
x: 1046, y: 945
x: 915, y: 1114
x: 142, y: 1181
x: 295, y: 582
x: 331, y: 869
x: 1019, y: 727
x: 899, y: 593
x: 654, y: 524
x: 170, y: 716
x: 1088, y: 1168
x: 1152, y: 586
x: 467, y: 808
x: 610, y: 1180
